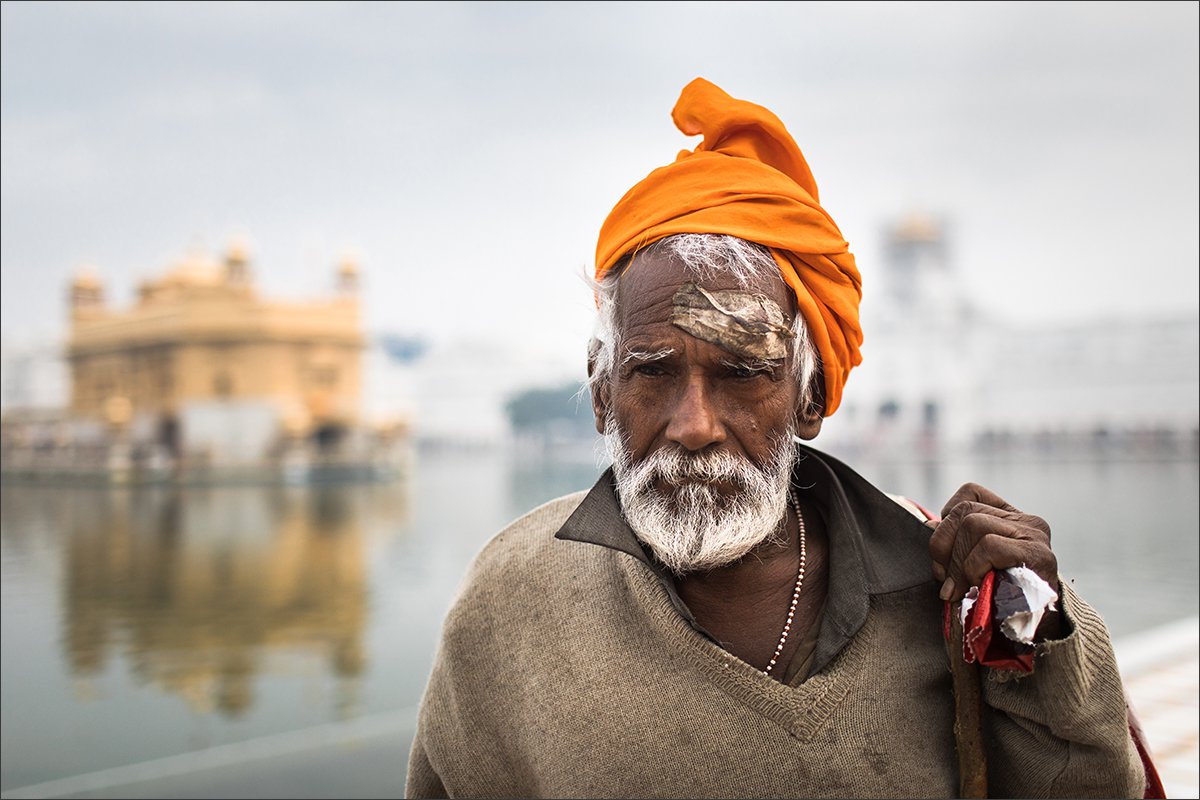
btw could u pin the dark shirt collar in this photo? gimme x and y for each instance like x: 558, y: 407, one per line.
x: 876, y: 546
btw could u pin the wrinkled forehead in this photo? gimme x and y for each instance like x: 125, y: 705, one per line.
x: 653, y: 276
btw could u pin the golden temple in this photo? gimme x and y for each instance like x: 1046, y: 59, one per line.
x: 203, y: 377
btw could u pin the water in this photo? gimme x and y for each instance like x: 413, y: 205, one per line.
x: 144, y: 623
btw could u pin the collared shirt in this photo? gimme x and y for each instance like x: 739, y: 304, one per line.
x: 876, y: 545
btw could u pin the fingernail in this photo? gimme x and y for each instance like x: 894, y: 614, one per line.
x: 947, y: 589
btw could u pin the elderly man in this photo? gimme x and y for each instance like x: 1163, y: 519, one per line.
x: 728, y: 612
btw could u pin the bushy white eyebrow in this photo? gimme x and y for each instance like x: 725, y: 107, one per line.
x: 641, y: 355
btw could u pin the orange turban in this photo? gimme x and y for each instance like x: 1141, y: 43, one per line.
x: 749, y: 179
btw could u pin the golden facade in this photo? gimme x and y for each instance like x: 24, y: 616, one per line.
x: 202, y: 334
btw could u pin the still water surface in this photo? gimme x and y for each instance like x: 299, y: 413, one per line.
x: 143, y: 623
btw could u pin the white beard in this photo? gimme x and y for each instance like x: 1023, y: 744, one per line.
x: 696, y: 528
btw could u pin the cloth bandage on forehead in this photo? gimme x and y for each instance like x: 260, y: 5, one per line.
x: 747, y: 324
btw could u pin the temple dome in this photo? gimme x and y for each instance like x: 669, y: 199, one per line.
x: 195, y: 269
x: 86, y: 277
x: 918, y: 227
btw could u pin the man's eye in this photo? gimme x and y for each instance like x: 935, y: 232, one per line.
x: 746, y: 373
x: 649, y: 370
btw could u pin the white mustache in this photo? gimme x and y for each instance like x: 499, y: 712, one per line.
x: 677, y: 467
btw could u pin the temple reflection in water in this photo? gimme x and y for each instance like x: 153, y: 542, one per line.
x: 201, y: 591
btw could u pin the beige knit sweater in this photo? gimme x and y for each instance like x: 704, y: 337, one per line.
x: 564, y: 671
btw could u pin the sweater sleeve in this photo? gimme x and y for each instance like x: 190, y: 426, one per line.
x: 423, y: 780
x: 1062, y: 731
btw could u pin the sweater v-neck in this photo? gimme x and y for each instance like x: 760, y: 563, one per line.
x: 800, y: 708
x: 876, y: 546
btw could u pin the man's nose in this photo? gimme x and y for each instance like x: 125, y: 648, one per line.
x: 695, y: 423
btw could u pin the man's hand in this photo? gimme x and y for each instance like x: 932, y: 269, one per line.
x: 980, y: 532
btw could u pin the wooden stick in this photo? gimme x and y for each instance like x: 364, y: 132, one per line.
x: 968, y: 714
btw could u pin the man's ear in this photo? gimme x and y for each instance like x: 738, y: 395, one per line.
x: 599, y: 390
x: 809, y: 416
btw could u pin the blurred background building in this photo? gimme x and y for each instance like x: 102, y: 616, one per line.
x: 459, y: 394
x: 944, y: 372
x: 202, y: 378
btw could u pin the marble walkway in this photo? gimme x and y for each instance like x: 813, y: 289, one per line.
x: 1161, y: 671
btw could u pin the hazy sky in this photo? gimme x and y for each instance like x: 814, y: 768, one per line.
x: 469, y: 153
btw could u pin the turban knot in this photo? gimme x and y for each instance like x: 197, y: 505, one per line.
x: 749, y: 179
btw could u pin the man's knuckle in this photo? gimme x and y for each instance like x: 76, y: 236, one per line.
x: 976, y: 523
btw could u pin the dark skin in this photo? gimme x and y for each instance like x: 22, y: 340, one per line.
x: 670, y: 389
x: 979, y: 531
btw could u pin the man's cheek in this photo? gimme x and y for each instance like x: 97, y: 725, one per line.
x: 639, y: 411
